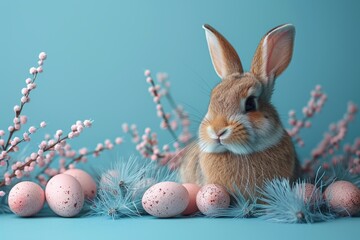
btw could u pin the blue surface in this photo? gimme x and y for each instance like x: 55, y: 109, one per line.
x: 97, y: 52
x: 148, y: 228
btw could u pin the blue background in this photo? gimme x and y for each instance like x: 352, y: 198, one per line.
x: 98, y: 51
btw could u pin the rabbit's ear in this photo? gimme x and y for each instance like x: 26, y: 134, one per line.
x: 223, y: 55
x: 273, y: 54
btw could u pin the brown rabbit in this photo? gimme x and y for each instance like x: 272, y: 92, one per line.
x: 241, y: 139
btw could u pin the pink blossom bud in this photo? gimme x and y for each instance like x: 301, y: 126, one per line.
x: 32, y: 70
x: 23, y: 119
x: 80, y: 128
x: 99, y: 147
x: 58, y: 133
x: 42, y: 56
x: 32, y: 129
x: 17, y: 126
x: 166, y: 147
x: 10, y: 128
x: 118, y: 140
x: 125, y: 127
x: 57, y: 147
x: 147, y: 73
x: 154, y: 157
x: 40, y: 62
x: 71, y: 135
x: 33, y: 156
x: 73, y: 127
x: 31, y: 86
x: 149, y: 80
x: 156, y: 99
x: 16, y: 120
x: 18, y: 174
x: 2, y: 133
x: 28, y: 80
x: 16, y: 108
x: 176, y: 145
x: 43, y: 124
x: 43, y: 145
x: 83, y: 151
x: 39, y: 69
x: 87, y: 123
x: 24, y: 99
x: 2, y: 142
x: 2, y: 193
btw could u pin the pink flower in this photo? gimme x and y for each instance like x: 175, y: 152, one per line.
x: 23, y: 119
x: 2, y: 193
x: 118, y: 140
x: 16, y: 108
x: 32, y: 70
x: 147, y: 73
x: 42, y: 56
x: 87, y: 123
x: 43, y: 124
x: 32, y: 129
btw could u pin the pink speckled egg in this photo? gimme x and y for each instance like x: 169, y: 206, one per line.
x: 211, y: 198
x: 64, y: 195
x: 26, y: 199
x: 193, y: 190
x: 343, y: 198
x: 86, y: 181
x: 165, y: 199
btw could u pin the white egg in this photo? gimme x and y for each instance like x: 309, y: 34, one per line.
x: 211, y: 198
x: 26, y: 199
x: 64, y: 195
x: 87, y: 182
x: 165, y: 199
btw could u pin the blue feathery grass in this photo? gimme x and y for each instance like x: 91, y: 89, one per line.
x: 283, y: 203
x: 341, y: 172
x: 240, y: 206
x: 121, y: 190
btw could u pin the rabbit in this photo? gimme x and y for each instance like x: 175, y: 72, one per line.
x: 241, y: 141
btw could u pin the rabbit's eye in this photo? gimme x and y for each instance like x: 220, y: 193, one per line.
x: 250, y: 104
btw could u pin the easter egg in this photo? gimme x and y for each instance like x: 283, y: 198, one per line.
x: 64, y: 195
x: 192, y: 189
x: 343, y: 198
x: 309, y: 193
x: 86, y: 181
x: 165, y: 199
x: 211, y: 198
x: 26, y: 199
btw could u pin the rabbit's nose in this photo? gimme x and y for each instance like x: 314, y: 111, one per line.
x: 223, y: 133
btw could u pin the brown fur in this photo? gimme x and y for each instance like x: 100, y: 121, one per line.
x: 269, y: 152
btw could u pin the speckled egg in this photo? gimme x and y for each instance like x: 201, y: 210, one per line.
x: 26, y: 199
x: 64, y: 195
x: 211, y: 198
x: 193, y: 190
x: 86, y: 181
x: 343, y: 198
x: 165, y: 199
